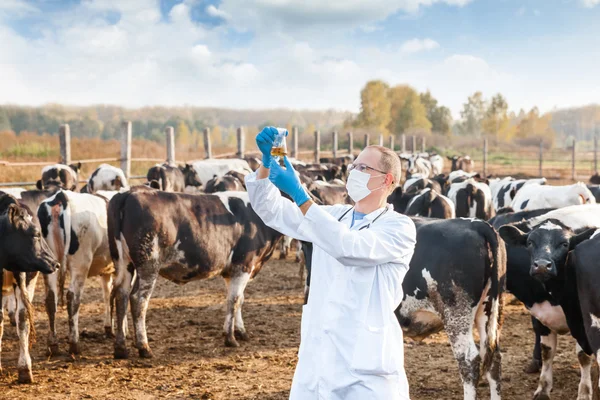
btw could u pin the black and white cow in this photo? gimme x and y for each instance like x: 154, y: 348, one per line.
x: 170, y: 178
x: 106, y: 177
x: 454, y: 290
x: 595, y: 189
x: 324, y: 172
x: 208, y: 169
x: 416, y: 164
x: 59, y: 175
x: 74, y: 225
x: 551, y: 302
x: 532, y: 197
x: 22, y: 251
x: 429, y: 203
x: 183, y: 238
x: 504, y: 190
x: 437, y: 164
x: 233, y: 181
x: 472, y: 199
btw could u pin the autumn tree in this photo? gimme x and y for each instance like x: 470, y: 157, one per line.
x: 536, y: 128
x: 375, y: 106
x: 497, y: 122
x: 439, y: 116
x: 472, y: 115
x: 406, y: 111
x: 183, y: 135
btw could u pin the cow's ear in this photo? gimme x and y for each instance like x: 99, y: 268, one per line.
x: 15, y: 216
x: 585, y: 235
x: 513, y: 235
x: 39, y: 185
x: 154, y: 184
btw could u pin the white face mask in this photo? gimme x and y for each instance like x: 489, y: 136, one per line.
x: 357, y: 185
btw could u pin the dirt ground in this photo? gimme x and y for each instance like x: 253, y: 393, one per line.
x: 190, y: 361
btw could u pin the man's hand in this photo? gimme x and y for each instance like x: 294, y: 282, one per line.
x: 287, y: 181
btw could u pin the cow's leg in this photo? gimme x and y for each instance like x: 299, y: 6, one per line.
x: 1, y: 316
x: 51, y: 284
x: 78, y: 276
x: 235, y: 297
x: 299, y: 253
x: 121, y: 290
x: 494, y: 373
x: 24, y: 362
x: 585, y: 391
x: 140, y: 297
x: 460, y: 334
x: 548, y: 344
x: 10, y: 303
x: 536, y: 361
x: 107, y: 283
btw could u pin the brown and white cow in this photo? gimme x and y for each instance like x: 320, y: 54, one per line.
x: 170, y: 178
x: 183, y: 238
x: 464, y: 163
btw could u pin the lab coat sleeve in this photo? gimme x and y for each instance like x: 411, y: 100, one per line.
x: 387, y: 240
x: 275, y: 210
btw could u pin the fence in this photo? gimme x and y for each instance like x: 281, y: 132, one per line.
x: 495, y: 158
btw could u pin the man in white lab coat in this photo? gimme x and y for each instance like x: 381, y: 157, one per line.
x: 351, y: 343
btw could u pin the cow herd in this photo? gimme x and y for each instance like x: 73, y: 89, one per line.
x: 478, y: 238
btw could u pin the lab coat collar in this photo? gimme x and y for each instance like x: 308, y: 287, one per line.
x: 372, y: 215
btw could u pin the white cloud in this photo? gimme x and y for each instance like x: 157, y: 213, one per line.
x: 215, y: 12
x: 521, y: 11
x: 417, y: 45
x: 17, y: 7
x: 590, y: 3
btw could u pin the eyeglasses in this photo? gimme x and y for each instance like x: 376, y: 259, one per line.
x: 362, y: 167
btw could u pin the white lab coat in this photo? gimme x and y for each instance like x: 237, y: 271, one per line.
x: 351, y: 344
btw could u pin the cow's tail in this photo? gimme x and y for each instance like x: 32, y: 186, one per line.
x: 118, y: 247
x: 59, y: 233
x: 493, y: 307
x: 28, y: 308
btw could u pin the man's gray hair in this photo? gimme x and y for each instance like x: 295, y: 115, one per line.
x: 389, y: 163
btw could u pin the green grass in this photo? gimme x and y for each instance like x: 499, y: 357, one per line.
x: 32, y: 149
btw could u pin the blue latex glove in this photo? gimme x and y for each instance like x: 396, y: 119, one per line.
x: 264, y: 141
x: 287, y: 181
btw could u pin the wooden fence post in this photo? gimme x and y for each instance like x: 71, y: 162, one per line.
x: 403, y: 137
x: 295, y: 142
x: 414, y: 144
x: 64, y: 133
x: 485, y: 157
x: 541, y: 157
x: 126, y: 148
x: 595, y: 153
x: 381, y: 140
x: 317, y: 146
x: 350, y: 143
x: 170, y: 134
x: 573, y: 171
x: 241, y: 142
x: 207, y: 148
x: 366, y: 139
x: 334, y: 143
x: 392, y: 142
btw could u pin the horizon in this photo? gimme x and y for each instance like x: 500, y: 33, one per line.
x: 218, y: 54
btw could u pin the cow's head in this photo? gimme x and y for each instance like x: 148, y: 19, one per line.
x: 454, y: 160
x: 190, y: 175
x: 548, y: 245
x: 22, y: 248
x: 59, y: 176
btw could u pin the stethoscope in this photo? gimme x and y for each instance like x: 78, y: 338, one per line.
x: 369, y: 224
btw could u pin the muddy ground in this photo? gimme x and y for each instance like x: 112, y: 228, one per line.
x: 185, y: 331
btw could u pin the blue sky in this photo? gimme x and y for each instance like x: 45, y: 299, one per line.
x: 297, y: 54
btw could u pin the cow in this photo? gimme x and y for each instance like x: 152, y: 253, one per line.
x: 343, y: 160
x: 532, y: 197
x: 595, y: 179
x: 417, y: 184
x: 183, y: 238
x: 330, y: 193
x: 106, y: 177
x: 74, y: 225
x: 60, y: 175
x: 207, y: 169
x: 437, y: 164
x: 454, y: 290
x: 173, y: 179
x: 552, y: 312
x: 231, y: 181
x: 324, y: 172
x: 472, y: 199
x: 504, y: 190
x: 595, y: 189
x: 417, y: 165
x: 22, y: 251
x: 548, y: 240
x: 429, y: 203
x: 253, y: 162
x: 464, y: 163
